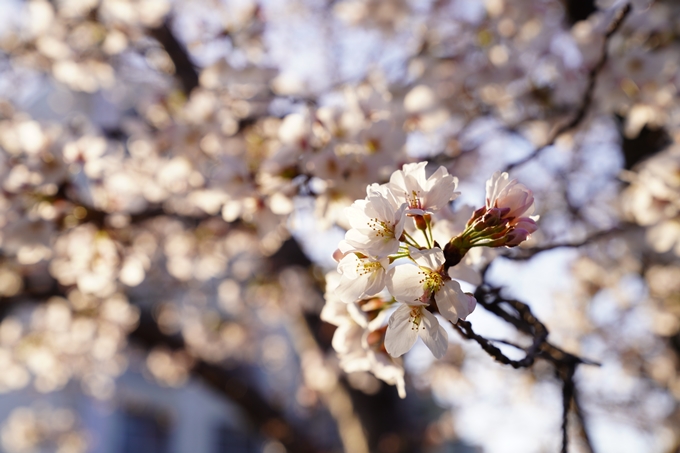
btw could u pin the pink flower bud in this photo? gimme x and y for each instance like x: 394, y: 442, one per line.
x: 516, y: 237
x: 525, y: 223
x: 476, y: 215
x: 492, y: 217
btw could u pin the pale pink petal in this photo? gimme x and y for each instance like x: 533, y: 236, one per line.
x: 433, y: 334
x: 355, y: 360
x: 441, y: 193
x: 349, y: 265
x: 383, y: 367
x: 350, y: 290
x: 401, y: 333
x: 368, y: 242
x: 431, y: 259
x: 405, y: 283
x: 335, y: 312
x: 452, y: 302
x: 465, y: 272
x: 360, y: 277
x: 472, y: 303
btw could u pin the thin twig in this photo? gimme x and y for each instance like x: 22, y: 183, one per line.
x: 525, y: 254
x: 567, y: 376
x: 587, y: 95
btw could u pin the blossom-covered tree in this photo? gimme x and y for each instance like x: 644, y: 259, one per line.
x: 279, y: 199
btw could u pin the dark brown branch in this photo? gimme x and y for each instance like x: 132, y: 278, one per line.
x: 464, y: 328
x: 587, y: 95
x: 583, y: 427
x: 184, y: 68
x: 566, y: 374
x: 526, y: 254
x: 522, y: 318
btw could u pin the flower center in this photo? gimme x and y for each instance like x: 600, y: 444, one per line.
x: 433, y: 281
x: 382, y: 229
x: 430, y: 280
x: 367, y: 267
x: 414, y: 318
x: 414, y: 201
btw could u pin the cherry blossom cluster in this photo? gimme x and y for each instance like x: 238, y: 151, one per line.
x: 393, y: 275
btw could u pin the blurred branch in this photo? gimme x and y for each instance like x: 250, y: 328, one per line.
x: 587, y: 99
x: 566, y: 374
x: 333, y: 394
x: 526, y: 254
x: 184, y: 68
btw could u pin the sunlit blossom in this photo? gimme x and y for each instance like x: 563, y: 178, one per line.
x: 408, y: 323
x: 423, y: 194
x: 376, y: 225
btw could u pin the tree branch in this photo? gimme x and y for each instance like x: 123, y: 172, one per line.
x: 587, y: 95
x: 184, y: 68
x: 522, y: 318
x: 526, y: 254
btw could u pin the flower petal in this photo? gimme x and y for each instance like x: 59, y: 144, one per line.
x: 452, y: 302
x: 405, y: 283
x: 347, y: 337
x: 384, y: 367
x: 401, y: 332
x: 433, y: 334
x: 430, y: 258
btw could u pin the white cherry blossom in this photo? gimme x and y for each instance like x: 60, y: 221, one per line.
x: 376, y: 224
x: 360, y: 276
x: 423, y: 195
x: 416, y: 283
x: 408, y: 323
x: 358, y: 339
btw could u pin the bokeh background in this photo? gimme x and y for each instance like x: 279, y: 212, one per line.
x: 173, y: 175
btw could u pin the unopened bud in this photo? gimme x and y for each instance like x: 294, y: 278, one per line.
x: 479, y: 225
x: 516, y: 237
x: 498, y: 235
x: 525, y: 223
x: 454, y: 251
x: 492, y: 217
x: 421, y: 221
x: 476, y: 215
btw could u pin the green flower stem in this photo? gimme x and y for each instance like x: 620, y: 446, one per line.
x: 427, y: 239
x: 410, y: 241
x: 429, y: 230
